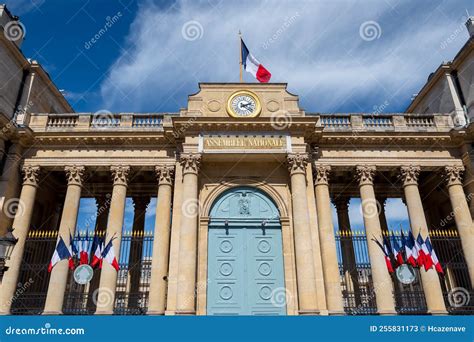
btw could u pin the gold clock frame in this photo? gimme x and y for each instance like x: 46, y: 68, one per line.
x: 258, y: 105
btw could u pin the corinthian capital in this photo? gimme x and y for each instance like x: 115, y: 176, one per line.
x: 120, y: 174
x: 297, y: 162
x: 409, y: 174
x: 164, y: 174
x: 75, y: 174
x: 190, y: 162
x: 321, y: 174
x: 453, y: 175
x: 365, y: 174
x: 30, y: 175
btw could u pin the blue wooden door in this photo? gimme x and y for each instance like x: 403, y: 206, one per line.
x: 245, y: 259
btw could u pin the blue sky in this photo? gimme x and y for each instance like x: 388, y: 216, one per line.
x: 338, y: 56
x: 144, y: 61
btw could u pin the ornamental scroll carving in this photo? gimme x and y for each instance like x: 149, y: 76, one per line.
x: 409, y: 174
x: 453, y: 175
x: 365, y: 174
x: 31, y: 175
x: 120, y: 174
x: 297, y: 162
x: 164, y: 174
x: 321, y: 174
x: 191, y: 162
x: 75, y: 174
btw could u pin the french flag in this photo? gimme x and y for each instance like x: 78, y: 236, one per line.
x: 397, y: 253
x: 408, y: 243
x: 414, y: 248
x: 421, y: 253
x: 434, y: 257
x: 109, y: 255
x: 84, y: 251
x: 427, y: 261
x: 385, y: 247
x: 97, y: 248
x: 253, y: 66
x: 73, y: 252
x: 61, y: 252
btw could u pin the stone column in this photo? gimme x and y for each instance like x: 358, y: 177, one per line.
x: 382, y: 281
x: 430, y: 279
x: 161, y: 242
x: 306, y: 281
x: 21, y: 227
x: 332, y: 280
x: 466, y: 151
x: 67, y: 228
x: 9, y: 187
x: 347, y: 247
x: 187, y: 263
x: 462, y: 215
x: 135, y: 260
x: 382, y: 217
x: 108, y: 275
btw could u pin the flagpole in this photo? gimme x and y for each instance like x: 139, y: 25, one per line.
x: 240, y: 56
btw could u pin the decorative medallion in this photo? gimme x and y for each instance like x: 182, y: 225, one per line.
x: 244, y: 204
x: 405, y: 274
x: 226, y: 293
x: 225, y: 246
x: 83, y: 274
x: 273, y: 106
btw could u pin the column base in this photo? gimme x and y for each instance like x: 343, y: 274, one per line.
x: 387, y: 313
x: 155, y: 313
x: 336, y: 313
x: 5, y: 313
x: 52, y: 313
x: 437, y: 312
x: 309, y: 312
x: 185, y: 313
x: 104, y: 312
x: 169, y: 313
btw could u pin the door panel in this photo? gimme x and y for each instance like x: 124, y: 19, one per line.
x: 245, y: 272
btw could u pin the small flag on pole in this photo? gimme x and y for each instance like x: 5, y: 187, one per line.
x: 97, y: 248
x: 397, y: 252
x: 61, y: 252
x: 108, y: 254
x: 386, y: 251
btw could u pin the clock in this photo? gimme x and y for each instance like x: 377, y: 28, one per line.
x: 243, y: 104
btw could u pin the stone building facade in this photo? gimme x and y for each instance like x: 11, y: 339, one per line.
x: 244, y: 179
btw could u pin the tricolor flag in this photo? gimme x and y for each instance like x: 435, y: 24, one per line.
x: 253, y: 66
x: 397, y: 251
x: 72, y: 251
x: 408, y: 243
x: 386, y: 251
x: 421, y: 253
x: 109, y: 255
x: 84, y: 251
x: 97, y: 248
x: 61, y: 252
x: 414, y: 248
x: 434, y: 257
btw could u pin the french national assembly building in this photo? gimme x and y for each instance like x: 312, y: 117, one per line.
x: 249, y: 195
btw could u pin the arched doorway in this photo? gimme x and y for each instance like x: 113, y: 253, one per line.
x: 245, y: 258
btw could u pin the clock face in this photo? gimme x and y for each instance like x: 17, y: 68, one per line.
x: 243, y: 104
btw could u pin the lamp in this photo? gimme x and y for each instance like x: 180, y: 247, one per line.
x: 7, y: 242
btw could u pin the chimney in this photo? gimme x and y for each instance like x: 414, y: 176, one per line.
x: 470, y: 26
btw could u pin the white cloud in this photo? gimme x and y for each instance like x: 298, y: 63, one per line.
x: 314, y: 46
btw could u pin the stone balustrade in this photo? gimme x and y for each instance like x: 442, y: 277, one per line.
x: 154, y: 121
